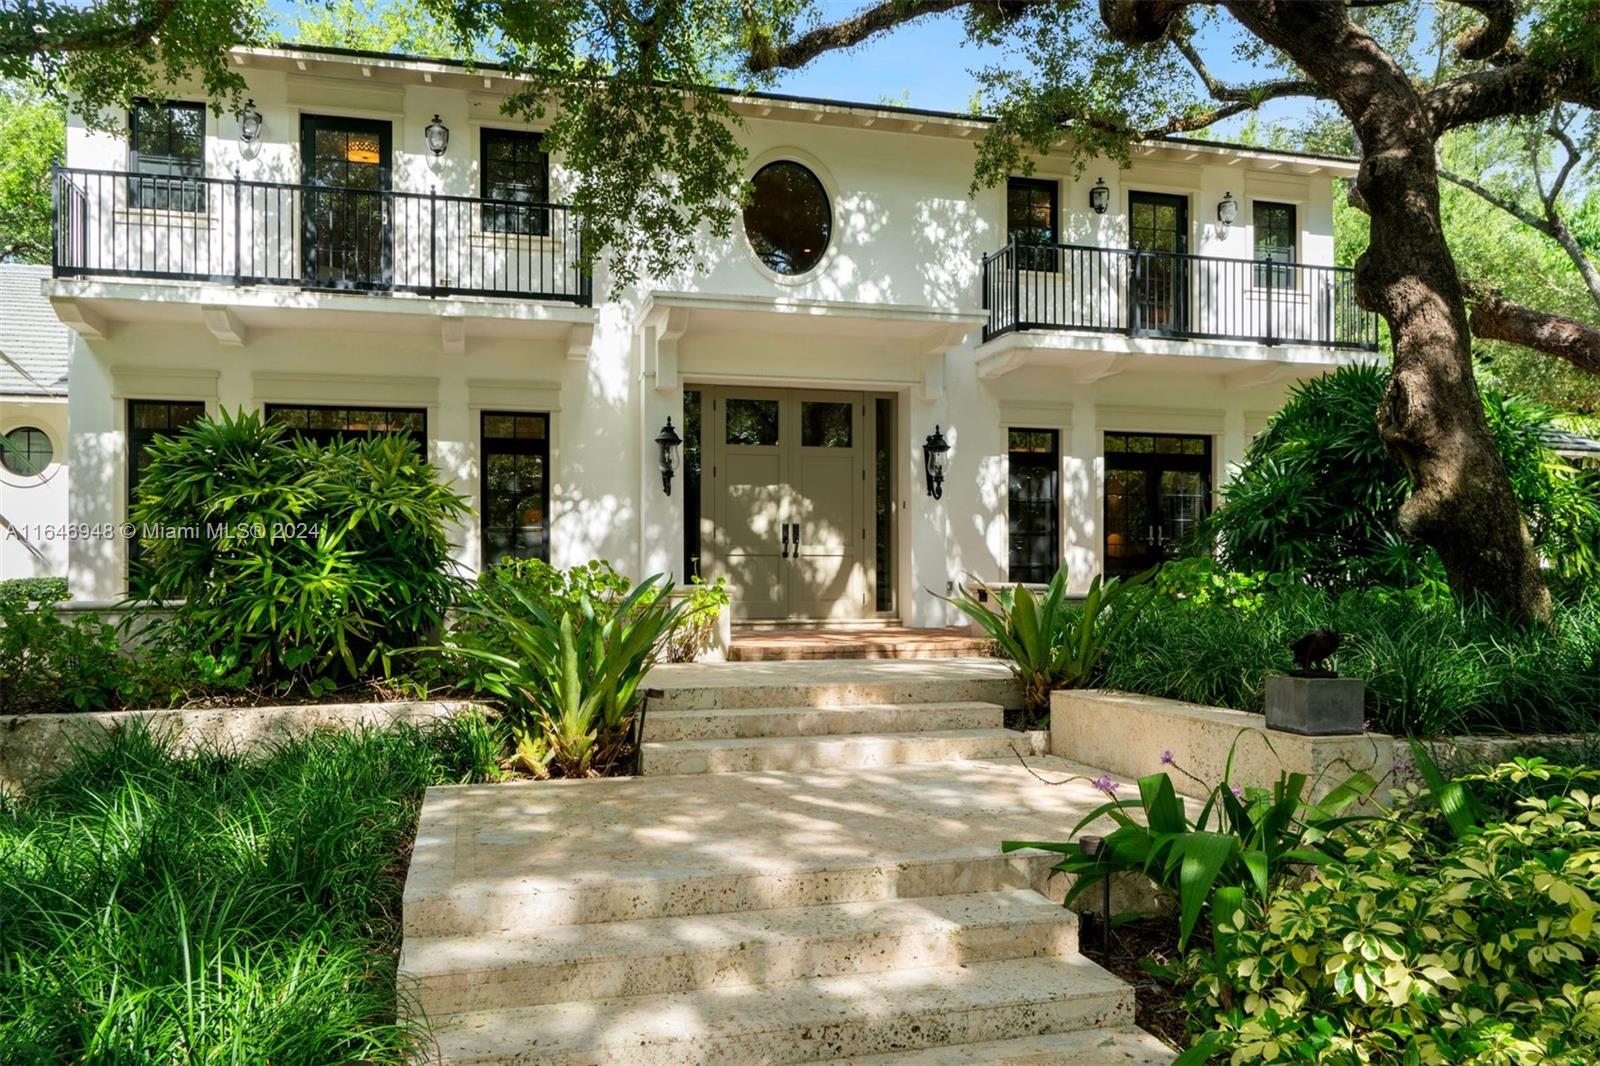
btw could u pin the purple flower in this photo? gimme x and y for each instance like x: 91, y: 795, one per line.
x: 1404, y: 766
x: 1238, y: 793
x: 1106, y: 785
x: 1166, y: 758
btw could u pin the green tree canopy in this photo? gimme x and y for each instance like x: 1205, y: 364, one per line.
x: 33, y: 129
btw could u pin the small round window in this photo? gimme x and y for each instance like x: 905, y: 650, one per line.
x: 789, y: 219
x: 26, y: 452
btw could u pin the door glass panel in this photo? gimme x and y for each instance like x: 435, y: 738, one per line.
x: 1128, y: 520
x: 1183, y: 504
x: 752, y: 422
x: 824, y: 425
x: 883, y: 505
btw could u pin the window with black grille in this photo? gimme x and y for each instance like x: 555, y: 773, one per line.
x: 325, y: 424
x: 166, y: 150
x: 1031, y: 213
x: 1033, y: 510
x: 515, y: 489
x: 1276, y: 236
x: 515, y: 167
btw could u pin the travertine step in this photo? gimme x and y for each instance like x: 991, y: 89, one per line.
x: 1089, y: 1047
x: 741, y: 722
x: 656, y: 955
x: 533, y: 854
x: 825, y: 683
x: 799, y: 1021
x: 821, y: 753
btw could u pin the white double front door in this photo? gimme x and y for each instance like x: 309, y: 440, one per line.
x: 786, y: 503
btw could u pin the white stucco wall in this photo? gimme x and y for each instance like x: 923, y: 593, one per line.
x: 35, y: 506
x: 894, y: 306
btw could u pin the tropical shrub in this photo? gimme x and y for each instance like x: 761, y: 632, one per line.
x: 699, y: 627
x: 1431, y: 667
x: 1048, y: 641
x: 570, y: 678
x: 507, y: 584
x: 157, y: 908
x: 304, y: 564
x: 49, y: 666
x: 1242, y: 842
x: 1317, y: 495
x: 1422, y: 943
x: 38, y: 589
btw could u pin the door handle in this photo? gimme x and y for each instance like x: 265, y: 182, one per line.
x: 786, y: 540
x: 797, y: 540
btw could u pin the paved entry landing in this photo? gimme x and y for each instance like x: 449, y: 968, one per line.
x: 887, y: 642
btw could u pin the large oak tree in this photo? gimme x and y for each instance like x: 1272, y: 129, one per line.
x: 626, y: 86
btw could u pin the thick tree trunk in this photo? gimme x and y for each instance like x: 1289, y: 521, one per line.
x: 1431, y: 418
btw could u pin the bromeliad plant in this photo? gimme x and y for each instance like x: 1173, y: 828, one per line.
x: 571, y: 677
x: 1050, y: 642
x: 1243, y: 841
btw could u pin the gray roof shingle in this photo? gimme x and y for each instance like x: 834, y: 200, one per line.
x: 33, y: 342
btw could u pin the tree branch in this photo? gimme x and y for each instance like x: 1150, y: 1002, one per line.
x: 1510, y: 207
x: 30, y: 31
x: 1489, y: 37
x: 1136, y: 22
x: 837, y: 35
x: 1495, y: 318
x: 1256, y: 94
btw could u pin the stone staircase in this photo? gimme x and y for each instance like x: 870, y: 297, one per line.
x: 834, y: 894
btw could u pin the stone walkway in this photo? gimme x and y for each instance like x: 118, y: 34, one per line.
x: 824, y: 914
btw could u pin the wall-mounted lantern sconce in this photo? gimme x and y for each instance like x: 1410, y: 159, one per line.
x: 935, y: 453
x: 249, y: 124
x: 1100, y: 196
x: 669, y: 442
x: 1227, y: 211
x: 438, y: 137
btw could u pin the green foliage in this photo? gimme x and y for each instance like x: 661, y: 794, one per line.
x: 1049, y: 642
x: 207, y: 908
x: 571, y: 674
x: 50, y: 666
x: 40, y: 589
x: 1317, y: 496
x: 408, y: 27
x: 103, y: 55
x: 34, y: 130
x: 1414, y: 946
x: 699, y: 627
x: 1244, y: 840
x: 305, y: 564
x: 1431, y: 668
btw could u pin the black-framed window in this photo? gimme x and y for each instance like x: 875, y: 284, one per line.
x: 789, y: 219
x: 1277, y: 234
x: 514, y: 166
x: 883, y: 503
x: 167, y: 150
x: 1033, y: 505
x: 26, y: 451
x: 325, y: 424
x: 1031, y: 219
x: 148, y: 420
x: 692, y: 452
x: 514, y: 489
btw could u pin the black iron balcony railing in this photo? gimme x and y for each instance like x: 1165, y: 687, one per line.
x: 112, y: 224
x: 1165, y: 294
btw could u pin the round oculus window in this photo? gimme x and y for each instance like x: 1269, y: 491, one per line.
x: 788, y: 219
x: 26, y: 451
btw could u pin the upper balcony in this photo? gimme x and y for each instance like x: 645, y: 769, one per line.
x: 111, y: 224
x: 1173, y: 295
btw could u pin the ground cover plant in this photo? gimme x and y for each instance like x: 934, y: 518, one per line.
x: 218, y: 909
x: 1431, y: 667
x: 1459, y: 929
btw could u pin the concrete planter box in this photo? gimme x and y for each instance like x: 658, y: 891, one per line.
x: 34, y: 746
x: 1316, y: 706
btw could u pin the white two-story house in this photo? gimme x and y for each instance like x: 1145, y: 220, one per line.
x: 373, y: 246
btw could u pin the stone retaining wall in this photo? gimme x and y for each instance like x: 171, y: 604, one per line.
x: 1126, y: 733
x: 33, y: 746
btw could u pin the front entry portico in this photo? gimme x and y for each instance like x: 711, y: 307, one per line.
x: 787, y: 496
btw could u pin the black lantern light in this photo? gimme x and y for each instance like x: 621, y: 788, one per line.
x: 669, y: 442
x: 249, y: 123
x: 1227, y: 211
x: 438, y: 137
x: 1100, y: 196
x: 935, y: 453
